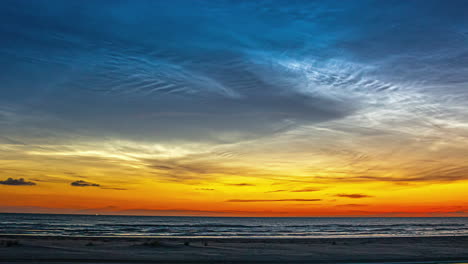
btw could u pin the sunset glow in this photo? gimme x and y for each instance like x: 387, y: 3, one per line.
x: 323, y: 108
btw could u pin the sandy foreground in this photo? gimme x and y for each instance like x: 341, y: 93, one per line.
x: 231, y: 250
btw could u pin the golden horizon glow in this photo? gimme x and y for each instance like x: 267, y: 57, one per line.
x: 179, y: 180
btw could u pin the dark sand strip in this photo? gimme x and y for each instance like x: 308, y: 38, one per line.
x: 232, y: 250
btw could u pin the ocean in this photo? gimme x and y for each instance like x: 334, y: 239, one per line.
x: 255, y: 227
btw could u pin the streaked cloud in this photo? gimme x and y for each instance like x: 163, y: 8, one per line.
x: 350, y: 205
x: 240, y: 184
x: 205, y: 189
x: 114, y: 188
x: 307, y: 190
x: 297, y: 190
x: 353, y: 195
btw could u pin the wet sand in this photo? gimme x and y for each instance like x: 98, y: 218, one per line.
x: 231, y: 250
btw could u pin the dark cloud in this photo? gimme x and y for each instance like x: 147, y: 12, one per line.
x: 171, y: 212
x: 354, y: 195
x: 191, y: 212
x: 20, y: 181
x: 204, y: 189
x: 82, y: 183
x: 272, y: 200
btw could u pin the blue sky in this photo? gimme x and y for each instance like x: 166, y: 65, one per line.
x: 198, y: 69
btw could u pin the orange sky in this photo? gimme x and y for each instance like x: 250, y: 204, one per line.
x: 196, y: 180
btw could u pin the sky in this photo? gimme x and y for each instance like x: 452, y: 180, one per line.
x: 234, y: 108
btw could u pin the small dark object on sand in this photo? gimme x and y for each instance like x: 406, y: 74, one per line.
x: 153, y: 243
x: 205, y: 244
x: 333, y: 243
x: 186, y: 243
x: 90, y: 244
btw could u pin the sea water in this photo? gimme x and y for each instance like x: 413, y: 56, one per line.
x: 258, y: 227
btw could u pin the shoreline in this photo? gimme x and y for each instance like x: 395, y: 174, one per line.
x: 55, y: 249
x: 175, y: 238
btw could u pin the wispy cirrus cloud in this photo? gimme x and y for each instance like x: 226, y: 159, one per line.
x: 297, y: 190
x: 307, y: 190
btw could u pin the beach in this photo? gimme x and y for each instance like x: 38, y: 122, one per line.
x: 53, y: 249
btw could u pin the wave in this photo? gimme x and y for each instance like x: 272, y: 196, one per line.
x: 228, y: 227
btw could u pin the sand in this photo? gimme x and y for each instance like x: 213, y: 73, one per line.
x: 232, y: 250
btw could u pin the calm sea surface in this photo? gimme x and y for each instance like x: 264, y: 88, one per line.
x: 149, y: 226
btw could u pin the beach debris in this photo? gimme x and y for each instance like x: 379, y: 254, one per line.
x: 333, y: 243
x: 186, y: 243
x: 90, y: 244
x: 205, y: 244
